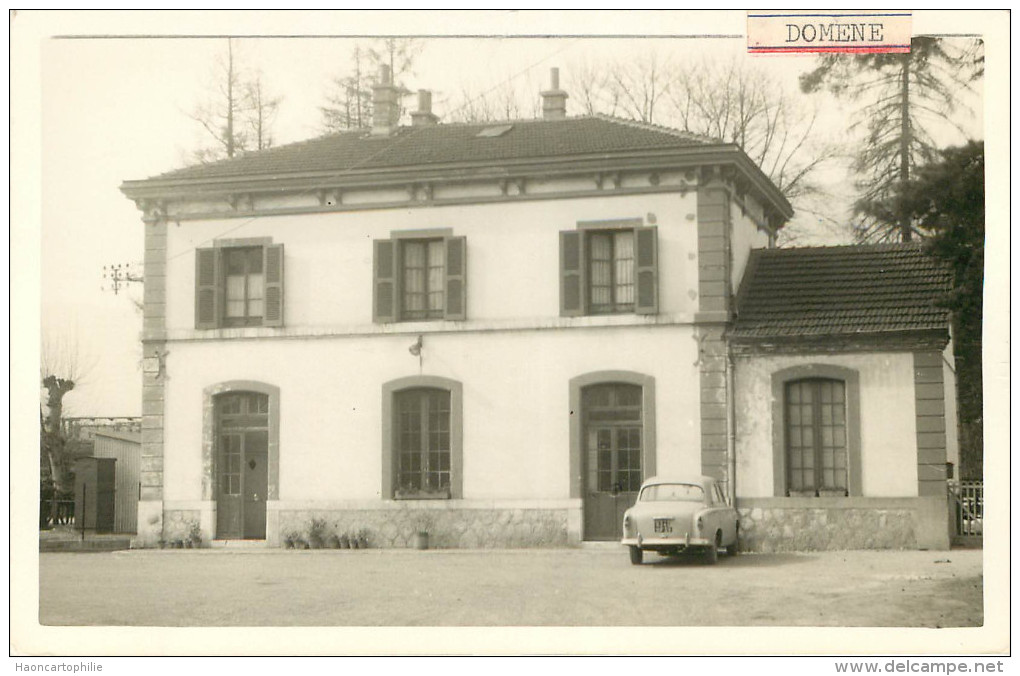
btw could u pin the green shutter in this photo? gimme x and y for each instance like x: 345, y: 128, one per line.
x: 273, y: 270
x: 384, y: 289
x: 571, y: 273
x: 456, y: 278
x: 207, y: 288
x: 647, y: 270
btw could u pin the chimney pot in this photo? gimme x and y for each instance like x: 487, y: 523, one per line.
x: 554, y: 100
x: 423, y: 116
x: 385, y: 103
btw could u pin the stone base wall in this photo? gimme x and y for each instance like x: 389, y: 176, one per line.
x: 150, y: 524
x: 786, y: 530
x: 177, y: 523
x: 448, y: 528
x: 806, y: 524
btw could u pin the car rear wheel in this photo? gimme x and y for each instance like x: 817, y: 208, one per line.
x: 636, y: 555
x: 712, y: 552
x: 731, y: 550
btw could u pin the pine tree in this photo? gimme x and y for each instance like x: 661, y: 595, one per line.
x: 902, y: 96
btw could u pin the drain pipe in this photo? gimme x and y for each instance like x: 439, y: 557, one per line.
x: 731, y: 431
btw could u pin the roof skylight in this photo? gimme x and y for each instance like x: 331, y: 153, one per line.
x: 492, y: 132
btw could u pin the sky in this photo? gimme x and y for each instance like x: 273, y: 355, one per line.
x: 116, y: 109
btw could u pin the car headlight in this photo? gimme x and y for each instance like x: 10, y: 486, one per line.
x: 701, y: 523
x: 626, y: 523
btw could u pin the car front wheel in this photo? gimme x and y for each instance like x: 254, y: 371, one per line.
x: 636, y: 555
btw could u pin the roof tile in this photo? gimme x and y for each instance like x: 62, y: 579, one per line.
x: 447, y: 143
x: 841, y: 291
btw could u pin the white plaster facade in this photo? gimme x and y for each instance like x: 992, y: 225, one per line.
x: 888, y: 438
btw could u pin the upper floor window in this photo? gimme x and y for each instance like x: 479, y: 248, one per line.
x: 244, y: 286
x: 423, y: 264
x: 420, y: 278
x: 609, y: 271
x: 239, y: 285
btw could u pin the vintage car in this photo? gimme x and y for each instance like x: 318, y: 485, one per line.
x: 672, y: 516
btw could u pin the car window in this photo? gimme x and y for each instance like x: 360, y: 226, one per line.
x: 719, y: 497
x: 673, y: 493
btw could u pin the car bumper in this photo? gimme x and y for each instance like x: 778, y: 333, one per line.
x: 665, y: 543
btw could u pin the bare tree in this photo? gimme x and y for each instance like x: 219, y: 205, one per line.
x: 238, y: 113
x: 348, y: 99
x: 741, y: 104
x: 508, y: 100
x: 590, y: 86
x: 639, y: 85
x: 348, y: 102
x: 61, y: 368
x: 262, y: 109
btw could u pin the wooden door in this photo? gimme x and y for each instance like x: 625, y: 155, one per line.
x: 242, y: 465
x: 613, y: 446
x: 255, y: 484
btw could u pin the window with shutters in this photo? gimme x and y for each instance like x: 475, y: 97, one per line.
x: 609, y: 271
x: 419, y: 279
x: 239, y: 286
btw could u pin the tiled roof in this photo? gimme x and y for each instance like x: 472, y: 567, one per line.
x: 448, y: 143
x: 841, y: 291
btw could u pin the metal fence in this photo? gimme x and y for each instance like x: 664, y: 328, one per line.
x: 65, y: 513
x: 967, y: 499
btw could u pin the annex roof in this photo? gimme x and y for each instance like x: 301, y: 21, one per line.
x: 841, y: 291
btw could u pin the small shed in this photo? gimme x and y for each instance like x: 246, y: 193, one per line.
x: 126, y: 447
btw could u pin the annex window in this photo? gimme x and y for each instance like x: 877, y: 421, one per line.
x: 609, y: 271
x: 420, y: 278
x: 816, y: 437
x: 239, y: 286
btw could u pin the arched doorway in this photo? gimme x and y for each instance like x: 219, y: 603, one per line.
x: 242, y: 464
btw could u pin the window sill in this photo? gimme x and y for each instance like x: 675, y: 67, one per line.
x: 422, y: 495
x: 426, y: 327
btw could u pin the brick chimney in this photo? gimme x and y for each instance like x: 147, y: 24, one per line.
x: 385, y: 103
x: 424, y: 116
x: 554, y: 99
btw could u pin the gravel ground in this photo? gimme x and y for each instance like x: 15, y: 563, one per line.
x: 567, y: 587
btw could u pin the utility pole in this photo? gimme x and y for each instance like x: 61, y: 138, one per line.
x: 122, y: 274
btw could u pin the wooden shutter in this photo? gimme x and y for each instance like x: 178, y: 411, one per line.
x: 456, y: 278
x: 647, y: 270
x: 273, y: 269
x: 207, y: 288
x: 572, y: 291
x: 384, y: 272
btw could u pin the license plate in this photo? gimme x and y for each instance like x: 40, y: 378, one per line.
x: 663, y: 525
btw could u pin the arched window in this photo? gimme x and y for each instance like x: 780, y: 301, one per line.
x: 816, y: 431
x: 423, y: 442
x: 816, y: 440
x: 422, y: 438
